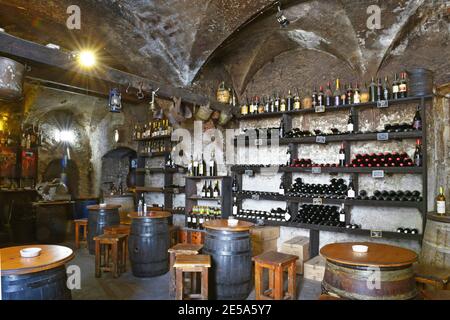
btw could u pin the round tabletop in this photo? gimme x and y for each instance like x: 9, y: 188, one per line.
x: 86, y: 198
x: 378, y: 255
x: 52, y: 203
x: 437, y: 217
x: 222, y: 225
x: 97, y: 207
x: 52, y: 256
x: 151, y: 214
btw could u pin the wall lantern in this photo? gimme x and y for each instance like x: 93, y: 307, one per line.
x: 116, y: 135
x: 115, y: 101
x: 281, y: 18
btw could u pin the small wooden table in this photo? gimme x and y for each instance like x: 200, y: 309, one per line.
x: 192, y: 264
x: 46, y: 273
x: 383, y: 273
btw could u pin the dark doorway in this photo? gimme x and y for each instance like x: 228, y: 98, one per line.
x: 54, y: 170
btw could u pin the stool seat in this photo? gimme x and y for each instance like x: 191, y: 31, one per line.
x: 186, y: 248
x: 82, y: 222
x: 110, y: 238
x: 192, y: 261
x: 435, y: 276
x: 118, y: 229
x: 276, y: 263
x: 114, y: 246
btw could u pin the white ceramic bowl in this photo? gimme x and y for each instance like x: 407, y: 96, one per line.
x: 233, y: 222
x: 30, y: 252
x: 360, y: 248
x: 102, y: 205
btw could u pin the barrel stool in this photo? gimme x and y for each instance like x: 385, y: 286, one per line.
x: 181, y: 248
x: 80, y: 223
x: 276, y: 263
x: 437, y: 277
x: 189, y: 264
x: 114, y: 246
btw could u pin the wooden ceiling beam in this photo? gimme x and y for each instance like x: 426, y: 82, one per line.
x: 42, y: 56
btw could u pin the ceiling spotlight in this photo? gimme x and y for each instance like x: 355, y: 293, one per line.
x: 281, y: 18
x: 87, y: 58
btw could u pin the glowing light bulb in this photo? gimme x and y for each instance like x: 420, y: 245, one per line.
x: 87, y: 59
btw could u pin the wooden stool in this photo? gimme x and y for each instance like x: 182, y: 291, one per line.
x: 437, y: 277
x: 114, y: 245
x: 80, y: 223
x: 118, y: 229
x: 192, y: 263
x: 329, y: 297
x: 181, y: 248
x: 276, y: 262
x: 436, y: 294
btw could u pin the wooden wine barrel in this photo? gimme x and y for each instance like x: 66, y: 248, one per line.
x: 126, y: 203
x: 99, y: 218
x: 81, y: 204
x: 148, y: 244
x: 420, y: 82
x: 40, y: 278
x: 52, y: 220
x: 383, y: 273
x: 436, y: 241
x: 230, y: 251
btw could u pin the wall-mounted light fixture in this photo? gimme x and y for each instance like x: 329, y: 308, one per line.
x: 281, y: 18
x: 87, y: 58
x: 115, y: 100
x: 64, y: 136
x: 116, y: 135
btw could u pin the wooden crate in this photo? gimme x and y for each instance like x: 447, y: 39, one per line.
x: 314, y: 268
x: 264, y: 239
x: 259, y: 247
x: 298, y: 246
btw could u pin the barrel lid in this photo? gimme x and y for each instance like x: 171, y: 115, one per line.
x: 222, y: 225
x: 436, y: 217
x: 151, y: 215
x: 51, y: 256
x: 52, y: 203
x: 107, y: 207
x: 378, y: 254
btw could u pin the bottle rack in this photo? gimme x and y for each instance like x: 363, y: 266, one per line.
x: 168, y: 173
x: 347, y: 139
x: 225, y: 199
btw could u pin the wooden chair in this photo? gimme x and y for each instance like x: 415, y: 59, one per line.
x: 80, y: 223
x: 112, y: 246
x: 188, y: 264
x: 181, y: 248
x: 276, y: 263
x: 437, y: 277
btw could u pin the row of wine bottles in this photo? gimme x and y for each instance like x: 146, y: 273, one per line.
x: 152, y: 129
x: 347, y: 94
x: 154, y: 146
x: 198, y: 168
x: 197, y: 217
x: 278, y: 215
x: 208, y: 191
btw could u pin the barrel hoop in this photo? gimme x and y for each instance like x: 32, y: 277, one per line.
x: 238, y: 284
x: 356, y: 267
x: 222, y: 238
x: 355, y: 296
x: 363, y: 274
x: 226, y: 253
x: 441, y: 249
x: 51, y: 278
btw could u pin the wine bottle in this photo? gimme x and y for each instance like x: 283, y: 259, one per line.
x: 351, y: 189
x: 191, y: 167
x: 283, y: 105
x: 314, y: 97
x: 320, y: 97
x: 235, y: 207
x: 417, y: 121
x: 342, y: 156
x: 281, y: 188
x: 386, y: 90
x: 373, y: 91
x: 202, y: 167
x: 277, y: 103
x: 235, y: 186
x: 350, y: 123
x: 212, y: 165
x: 196, y: 167
x: 259, y: 105
x: 357, y: 95
x: 216, y: 191
x: 289, y: 102
x: 205, y: 191
x: 297, y: 104
x: 418, y: 159
x: 342, y: 214
x: 379, y: 90
x: 337, y: 94
x: 402, y: 87
x: 344, y: 98
x: 328, y: 96
x: 281, y: 130
x: 210, y: 190
x: 440, y: 202
x: 395, y: 88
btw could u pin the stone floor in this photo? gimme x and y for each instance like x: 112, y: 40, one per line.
x: 128, y: 287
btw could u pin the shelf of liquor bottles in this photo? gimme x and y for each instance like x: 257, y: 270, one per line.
x: 168, y: 190
x: 161, y: 170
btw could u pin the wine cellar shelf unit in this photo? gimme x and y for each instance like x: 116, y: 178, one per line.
x: 224, y: 199
x: 168, y: 173
x: 293, y: 144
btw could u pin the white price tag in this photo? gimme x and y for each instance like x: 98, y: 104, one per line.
x: 378, y: 174
x: 255, y: 196
x: 321, y: 139
x: 317, y: 201
x: 319, y: 109
x: 258, y: 142
x: 376, y: 234
x: 316, y: 170
x: 383, y: 136
x: 382, y: 104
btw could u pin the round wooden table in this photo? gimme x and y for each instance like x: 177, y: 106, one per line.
x: 40, y: 278
x: 231, y: 255
x: 148, y: 243
x: 100, y: 217
x: 384, y: 272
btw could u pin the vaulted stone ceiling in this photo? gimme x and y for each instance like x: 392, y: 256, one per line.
x: 178, y: 41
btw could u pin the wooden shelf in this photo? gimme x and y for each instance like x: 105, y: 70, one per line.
x: 364, y: 170
x: 153, y: 138
x: 205, y: 199
x: 206, y: 177
x: 359, y: 106
x: 161, y: 170
x: 153, y: 154
x: 160, y: 190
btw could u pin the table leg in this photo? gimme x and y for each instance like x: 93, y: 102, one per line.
x: 172, y: 284
x: 97, y: 259
x: 204, y: 290
x: 278, y: 291
x: 115, y: 260
x: 179, y: 280
x: 77, y: 235
x: 292, y: 274
x: 258, y: 280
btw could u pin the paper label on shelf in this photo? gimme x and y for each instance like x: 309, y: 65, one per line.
x: 258, y: 142
x: 281, y: 191
x: 383, y: 136
x: 317, y: 201
x: 249, y: 173
x: 319, y: 109
x: 376, y: 234
x: 255, y: 196
x: 351, y: 193
x: 378, y: 174
x: 316, y: 170
x: 350, y: 127
x: 382, y: 104
x: 321, y: 139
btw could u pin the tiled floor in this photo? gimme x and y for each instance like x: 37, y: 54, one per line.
x: 128, y: 287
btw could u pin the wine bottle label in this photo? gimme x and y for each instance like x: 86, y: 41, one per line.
x: 395, y: 89
x: 189, y: 219
x: 440, y: 207
x: 351, y: 193
x: 194, y: 220
x: 235, y: 210
x: 281, y: 191
x: 342, y: 217
x: 402, y: 88
x: 296, y: 105
x: 350, y: 127
x: 215, y: 194
x: 341, y: 156
x: 356, y: 99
